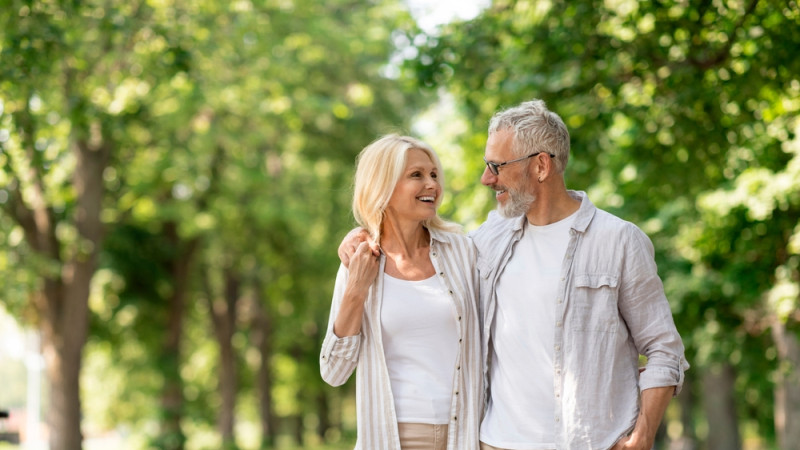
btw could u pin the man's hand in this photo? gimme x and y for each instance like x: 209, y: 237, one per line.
x: 632, y: 442
x: 350, y: 242
x: 654, y: 404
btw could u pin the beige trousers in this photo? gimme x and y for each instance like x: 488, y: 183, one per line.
x: 422, y: 436
x: 488, y: 447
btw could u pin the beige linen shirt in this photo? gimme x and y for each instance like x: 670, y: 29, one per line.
x: 454, y: 257
x: 610, y: 308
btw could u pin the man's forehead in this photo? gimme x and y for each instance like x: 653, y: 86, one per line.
x: 499, y: 143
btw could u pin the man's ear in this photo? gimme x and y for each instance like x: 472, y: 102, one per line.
x: 542, y: 167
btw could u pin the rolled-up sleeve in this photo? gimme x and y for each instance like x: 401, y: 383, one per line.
x: 339, y: 356
x: 646, y: 311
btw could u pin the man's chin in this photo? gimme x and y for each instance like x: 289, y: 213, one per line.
x: 517, y: 208
x: 510, y: 211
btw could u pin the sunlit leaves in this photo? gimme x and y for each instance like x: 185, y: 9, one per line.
x: 682, y: 120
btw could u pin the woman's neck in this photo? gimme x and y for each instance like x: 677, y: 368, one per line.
x: 407, y: 250
x: 404, y: 239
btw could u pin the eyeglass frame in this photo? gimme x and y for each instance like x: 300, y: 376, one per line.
x: 494, y: 167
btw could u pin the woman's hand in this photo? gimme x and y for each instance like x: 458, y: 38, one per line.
x: 363, y: 270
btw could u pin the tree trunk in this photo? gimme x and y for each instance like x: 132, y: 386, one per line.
x: 171, y: 436
x: 787, y: 391
x: 223, y: 315
x: 720, y: 407
x: 63, y: 303
x: 686, y: 400
x: 62, y: 345
x: 324, y: 413
x: 262, y: 339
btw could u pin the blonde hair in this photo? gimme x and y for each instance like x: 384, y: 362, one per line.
x: 379, y: 167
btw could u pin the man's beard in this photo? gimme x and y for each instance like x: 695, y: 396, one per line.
x: 519, y: 202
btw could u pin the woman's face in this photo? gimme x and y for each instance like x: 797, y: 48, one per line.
x: 416, y: 194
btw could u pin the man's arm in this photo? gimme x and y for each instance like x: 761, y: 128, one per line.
x: 350, y: 243
x: 654, y: 404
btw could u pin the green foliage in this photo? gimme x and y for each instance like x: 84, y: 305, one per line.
x: 233, y: 128
x: 683, y: 119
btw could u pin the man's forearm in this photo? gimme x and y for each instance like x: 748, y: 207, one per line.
x: 654, y: 405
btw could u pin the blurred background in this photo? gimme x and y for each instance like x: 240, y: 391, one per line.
x: 175, y: 177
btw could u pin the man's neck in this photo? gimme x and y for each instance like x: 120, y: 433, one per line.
x: 552, y: 206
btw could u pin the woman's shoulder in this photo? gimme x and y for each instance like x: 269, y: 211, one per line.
x: 455, y: 246
x: 449, y: 237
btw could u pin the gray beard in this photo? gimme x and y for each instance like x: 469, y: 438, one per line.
x: 518, y: 202
x: 518, y: 205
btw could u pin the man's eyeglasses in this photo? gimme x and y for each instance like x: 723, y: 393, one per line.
x: 494, y: 167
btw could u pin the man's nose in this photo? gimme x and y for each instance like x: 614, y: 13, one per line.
x: 488, y: 178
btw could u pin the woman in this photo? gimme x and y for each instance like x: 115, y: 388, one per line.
x: 407, y: 319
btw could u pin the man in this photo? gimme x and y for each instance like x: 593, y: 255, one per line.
x: 570, y: 297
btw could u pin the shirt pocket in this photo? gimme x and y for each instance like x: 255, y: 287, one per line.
x: 594, y: 303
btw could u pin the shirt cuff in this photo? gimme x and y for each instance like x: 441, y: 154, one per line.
x: 662, y: 376
x: 344, y: 347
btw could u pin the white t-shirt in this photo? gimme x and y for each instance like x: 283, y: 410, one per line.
x: 521, y: 413
x: 420, y: 342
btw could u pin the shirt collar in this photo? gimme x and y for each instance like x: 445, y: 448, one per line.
x: 585, y: 212
x: 440, y: 236
x: 582, y: 218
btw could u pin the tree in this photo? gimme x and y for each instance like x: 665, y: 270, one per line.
x: 242, y: 175
x: 666, y: 103
x: 62, y: 103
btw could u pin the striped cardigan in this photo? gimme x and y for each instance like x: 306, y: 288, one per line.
x: 454, y: 257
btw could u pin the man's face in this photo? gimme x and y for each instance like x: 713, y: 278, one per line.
x: 512, y: 184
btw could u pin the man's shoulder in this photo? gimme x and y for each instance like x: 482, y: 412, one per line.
x: 492, y: 237
x: 494, y: 226
x: 606, y: 224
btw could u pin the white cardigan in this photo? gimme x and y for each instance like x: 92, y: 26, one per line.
x: 454, y: 258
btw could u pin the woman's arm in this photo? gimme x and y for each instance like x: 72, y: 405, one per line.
x: 363, y: 269
x: 340, y: 349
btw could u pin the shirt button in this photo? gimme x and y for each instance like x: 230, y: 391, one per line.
x: 558, y: 347
x: 558, y: 324
x: 459, y: 317
x: 559, y: 300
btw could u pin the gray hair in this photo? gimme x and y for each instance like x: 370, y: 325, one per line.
x: 535, y: 129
